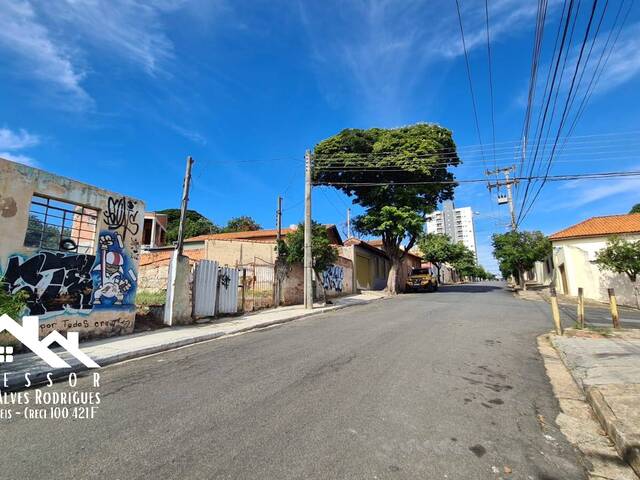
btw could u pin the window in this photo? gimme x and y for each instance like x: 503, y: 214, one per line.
x: 62, y: 226
x: 6, y: 354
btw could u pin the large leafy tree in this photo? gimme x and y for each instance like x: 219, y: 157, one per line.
x: 195, y: 224
x: 622, y: 256
x: 397, y: 175
x: 243, y: 223
x: 635, y: 208
x: 518, y: 251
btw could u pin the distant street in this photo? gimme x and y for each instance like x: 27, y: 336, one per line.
x: 445, y: 385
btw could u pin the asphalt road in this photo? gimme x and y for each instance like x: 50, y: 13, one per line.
x: 430, y: 386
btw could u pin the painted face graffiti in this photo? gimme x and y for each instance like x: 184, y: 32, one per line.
x: 116, y: 280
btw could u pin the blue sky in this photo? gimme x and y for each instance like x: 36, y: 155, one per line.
x: 118, y: 93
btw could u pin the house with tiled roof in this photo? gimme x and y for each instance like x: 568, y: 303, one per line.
x: 575, y: 250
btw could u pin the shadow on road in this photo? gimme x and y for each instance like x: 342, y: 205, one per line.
x: 470, y: 288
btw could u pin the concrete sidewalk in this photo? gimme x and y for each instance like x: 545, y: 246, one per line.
x: 117, y: 349
x: 607, y: 367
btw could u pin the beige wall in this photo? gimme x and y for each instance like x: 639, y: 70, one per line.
x: 92, y: 293
x: 234, y: 252
x: 577, y: 256
x: 378, y: 267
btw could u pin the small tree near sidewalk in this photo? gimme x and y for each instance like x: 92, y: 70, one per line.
x: 518, y: 251
x: 622, y: 256
x: 324, y: 254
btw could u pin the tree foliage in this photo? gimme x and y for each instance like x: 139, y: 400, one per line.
x: 518, y: 251
x: 323, y: 253
x: 437, y: 248
x: 243, y: 223
x: 635, y: 208
x: 411, y: 162
x: 621, y: 256
x: 195, y: 224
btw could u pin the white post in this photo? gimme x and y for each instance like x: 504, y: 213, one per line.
x: 308, y: 259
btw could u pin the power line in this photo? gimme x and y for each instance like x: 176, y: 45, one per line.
x: 576, y: 176
x: 466, y: 59
x: 493, y: 123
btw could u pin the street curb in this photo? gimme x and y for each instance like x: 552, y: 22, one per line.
x: 627, y: 445
x: 39, y: 378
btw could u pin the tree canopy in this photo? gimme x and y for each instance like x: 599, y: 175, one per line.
x: 437, y: 248
x: 243, y: 223
x: 397, y: 175
x: 635, y: 208
x: 195, y: 224
x: 622, y: 256
x: 518, y: 251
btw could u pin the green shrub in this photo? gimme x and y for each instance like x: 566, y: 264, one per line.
x: 151, y: 298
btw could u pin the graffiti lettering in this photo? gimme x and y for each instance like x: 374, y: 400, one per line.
x: 54, y: 281
x: 333, y: 277
x: 122, y: 213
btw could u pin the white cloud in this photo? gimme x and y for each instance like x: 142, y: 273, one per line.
x: 50, y: 41
x: 588, y: 191
x: 382, y: 49
x: 10, y: 140
x: 13, y: 141
x: 128, y: 29
x: 38, y: 55
x: 18, y: 158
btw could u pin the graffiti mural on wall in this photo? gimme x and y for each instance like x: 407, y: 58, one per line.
x: 114, y: 278
x: 122, y: 213
x: 333, y: 277
x: 54, y: 282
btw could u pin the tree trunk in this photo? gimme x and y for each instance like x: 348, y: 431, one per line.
x: 523, y: 284
x: 319, y: 281
x: 438, y: 272
x: 393, y: 281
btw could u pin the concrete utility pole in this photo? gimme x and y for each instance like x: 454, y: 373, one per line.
x: 183, y: 207
x: 348, y: 223
x: 277, y: 285
x: 507, y: 183
x: 308, y: 259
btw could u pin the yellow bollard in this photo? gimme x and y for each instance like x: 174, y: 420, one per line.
x: 613, y: 304
x: 580, y: 316
x: 555, y: 311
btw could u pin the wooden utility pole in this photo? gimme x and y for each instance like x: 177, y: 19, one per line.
x: 507, y: 183
x: 279, y: 220
x: 183, y: 207
x: 278, y: 283
x: 613, y: 304
x: 348, y: 223
x: 308, y: 259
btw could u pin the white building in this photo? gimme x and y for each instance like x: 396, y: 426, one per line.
x: 576, y: 248
x: 457, y: 223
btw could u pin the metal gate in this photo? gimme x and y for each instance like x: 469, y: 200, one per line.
x: 227, y: 290
x: 205, y: 280
x: 257, y: 285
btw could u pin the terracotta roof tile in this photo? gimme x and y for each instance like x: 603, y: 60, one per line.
x: 601, y: 226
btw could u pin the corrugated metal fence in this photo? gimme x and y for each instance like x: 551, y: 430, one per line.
x: 215, y: 289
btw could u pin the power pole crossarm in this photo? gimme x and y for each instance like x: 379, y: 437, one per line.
x: 508, y: 183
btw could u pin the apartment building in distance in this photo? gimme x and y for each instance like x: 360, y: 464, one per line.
x: 457, y: 223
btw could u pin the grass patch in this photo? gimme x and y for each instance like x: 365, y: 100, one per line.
x: 151, y: 298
